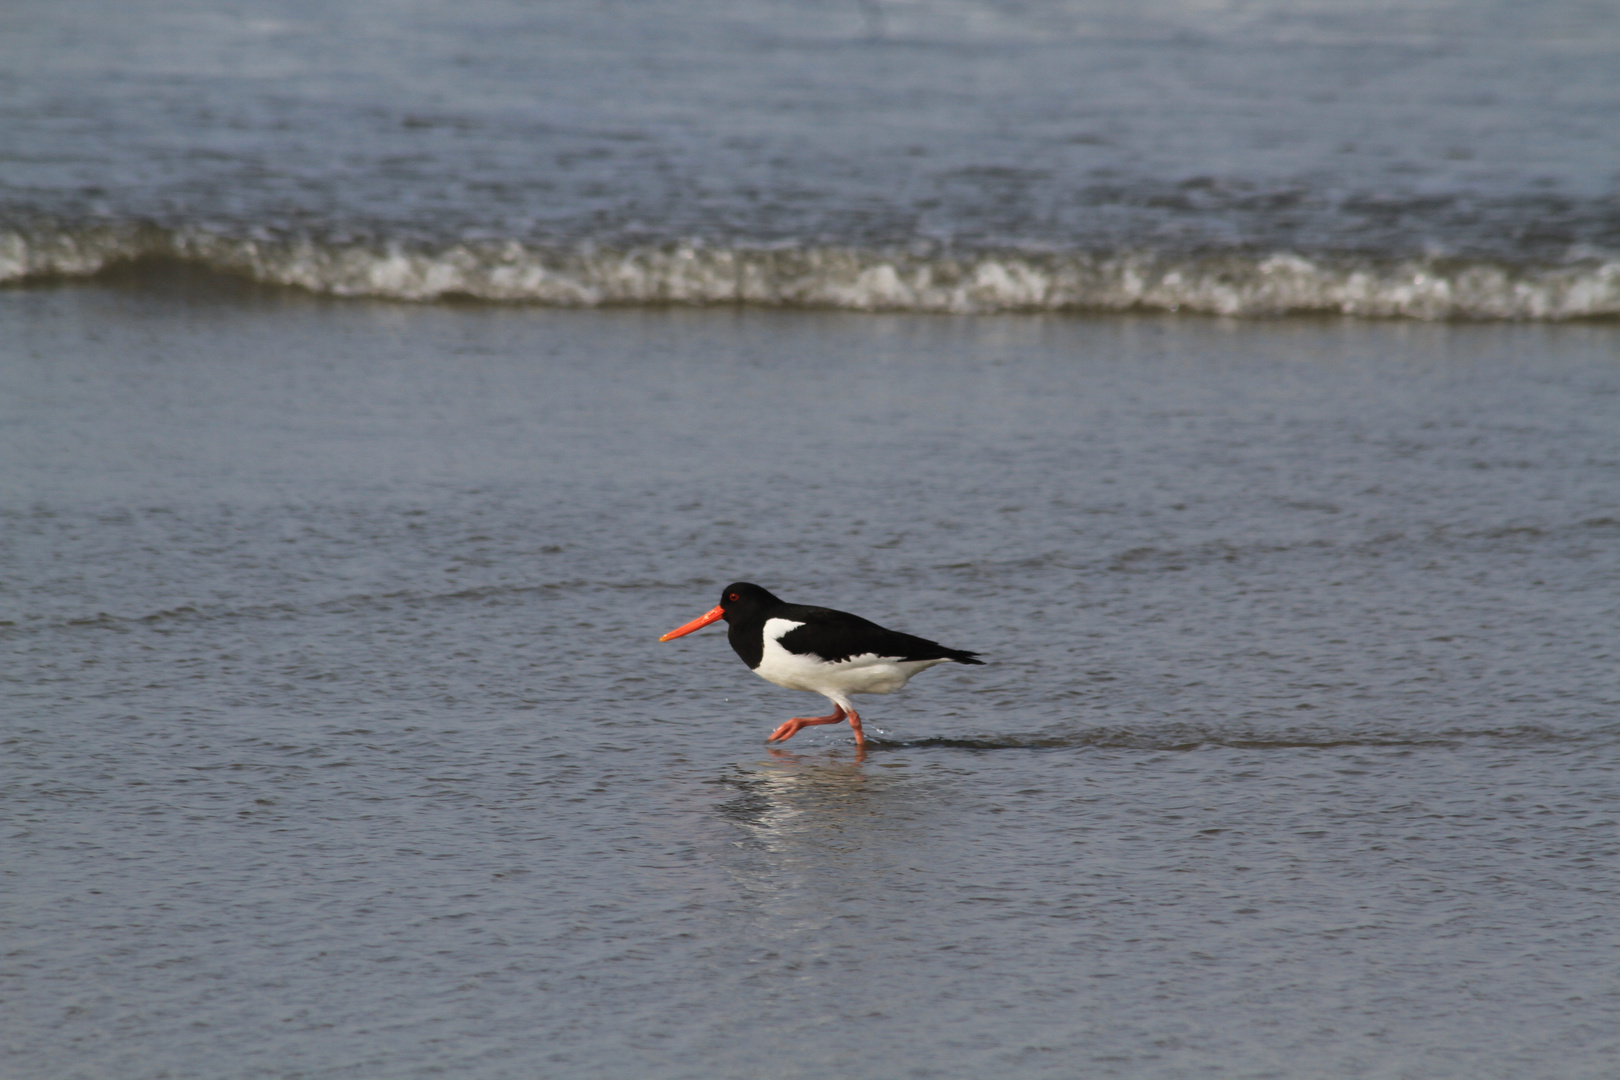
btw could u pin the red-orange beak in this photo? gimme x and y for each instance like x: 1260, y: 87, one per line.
x: 696, y: 624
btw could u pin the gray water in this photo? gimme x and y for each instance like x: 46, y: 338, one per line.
x: 337, y: 741
x: 1428, y: 159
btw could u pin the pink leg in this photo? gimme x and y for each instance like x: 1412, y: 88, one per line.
x: 790, y: 728
x: 855, y: 723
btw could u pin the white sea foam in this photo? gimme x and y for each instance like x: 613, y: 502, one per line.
x: 852, y: 279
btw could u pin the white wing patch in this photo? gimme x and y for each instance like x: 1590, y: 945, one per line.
x: 864, y: 674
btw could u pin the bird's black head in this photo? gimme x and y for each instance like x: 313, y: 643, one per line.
x: 741, y: 600
x: 741, y: 605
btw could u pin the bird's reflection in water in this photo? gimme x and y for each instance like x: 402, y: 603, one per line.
x: 824, y: 836
x: 800, y: 797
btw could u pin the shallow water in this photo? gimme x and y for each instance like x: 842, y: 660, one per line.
x: 338, y: 741
x: 1418, y: 158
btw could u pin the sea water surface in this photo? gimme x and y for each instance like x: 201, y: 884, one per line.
x: 338, y: 741
x: 1412, y: 158
x: 379, y: 379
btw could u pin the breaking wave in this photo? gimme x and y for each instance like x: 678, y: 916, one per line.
x: 1229, y: 284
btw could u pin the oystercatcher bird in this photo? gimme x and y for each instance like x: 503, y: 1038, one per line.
x: 833, y: 653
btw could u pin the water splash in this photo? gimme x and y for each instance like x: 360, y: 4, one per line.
x: 845, y: 278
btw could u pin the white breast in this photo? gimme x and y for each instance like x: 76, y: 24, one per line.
x: 865, y: 674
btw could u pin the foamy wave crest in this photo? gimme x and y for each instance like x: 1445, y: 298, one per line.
x: 847, y: 278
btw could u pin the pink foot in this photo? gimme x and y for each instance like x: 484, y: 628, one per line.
x: 790, y: 728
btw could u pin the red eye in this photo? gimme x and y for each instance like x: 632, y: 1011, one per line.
x: 733, y: 596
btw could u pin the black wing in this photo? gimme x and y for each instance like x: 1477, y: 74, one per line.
x: 838, y: 635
